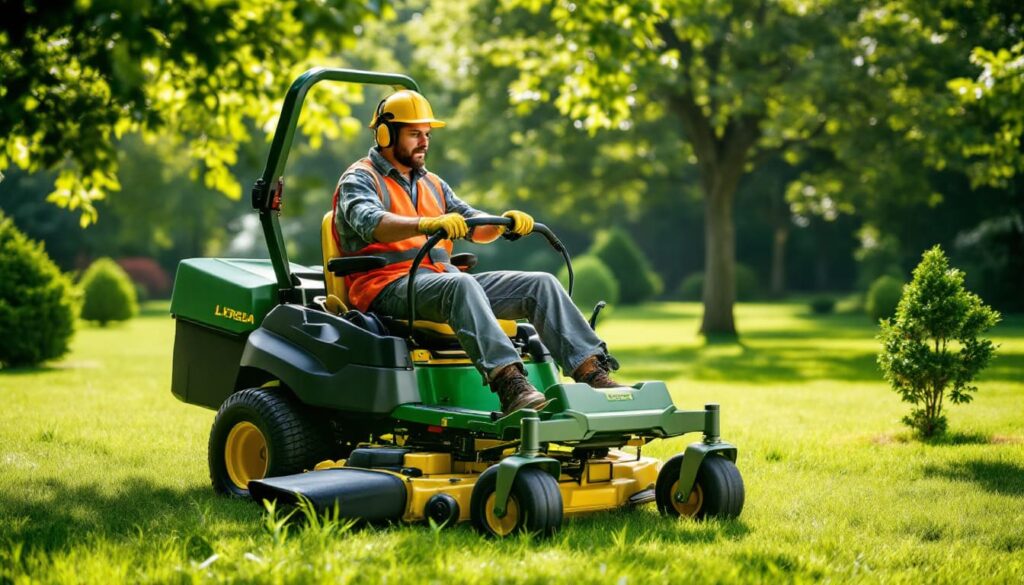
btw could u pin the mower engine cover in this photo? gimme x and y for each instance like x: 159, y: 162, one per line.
x: 232, y: 295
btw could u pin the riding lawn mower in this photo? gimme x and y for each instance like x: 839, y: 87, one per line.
x: 383, y: 419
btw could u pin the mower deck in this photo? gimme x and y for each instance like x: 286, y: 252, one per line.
x: 613, y: 481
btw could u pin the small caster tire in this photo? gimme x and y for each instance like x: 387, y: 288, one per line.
x: 534, y: 504
x: 718, y: 491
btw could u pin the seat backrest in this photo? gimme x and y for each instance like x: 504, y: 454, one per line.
x: 335, y: 284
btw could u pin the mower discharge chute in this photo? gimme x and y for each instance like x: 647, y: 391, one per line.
x: 387, y: 420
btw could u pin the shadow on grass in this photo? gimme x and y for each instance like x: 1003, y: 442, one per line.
x: 765, y: 363
x: 740, y: 363
x: 998, y: 477
x: 48, y: 515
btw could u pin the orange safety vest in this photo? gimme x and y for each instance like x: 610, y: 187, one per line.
x: 363, y: 287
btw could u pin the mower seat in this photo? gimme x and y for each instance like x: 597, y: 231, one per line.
x: 337, y: 294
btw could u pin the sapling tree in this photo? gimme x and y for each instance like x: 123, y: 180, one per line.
x: 931, y: 348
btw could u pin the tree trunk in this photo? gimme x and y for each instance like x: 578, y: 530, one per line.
x: 781, y: 235
x: 720, y: 161
x: 720, y: 252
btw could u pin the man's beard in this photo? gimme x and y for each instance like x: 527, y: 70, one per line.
x: 406, y: 158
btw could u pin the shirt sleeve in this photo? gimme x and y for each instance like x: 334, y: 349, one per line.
x: 359, y: 208
x: 455, y: 205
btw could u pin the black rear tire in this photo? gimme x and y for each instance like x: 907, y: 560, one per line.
x: 718, y: 491
x: 274, y: 435
x: 535, y: 504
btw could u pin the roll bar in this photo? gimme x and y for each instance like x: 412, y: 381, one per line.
x: 268, y: 190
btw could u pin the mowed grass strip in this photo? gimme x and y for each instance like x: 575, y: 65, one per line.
x: 103, y: 474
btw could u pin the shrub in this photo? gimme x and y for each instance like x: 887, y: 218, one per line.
x: 692, y: 287
x: 109, y: 293
x: 594, y: 282
x: 637, y: 281
x: 149, y: 275
x: 932, y: 343
x: 823, y: 305
x: 37, y: 302
x: 747, y: 287
x: 883, y: 296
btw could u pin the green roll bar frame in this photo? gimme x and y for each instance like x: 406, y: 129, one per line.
x: 269, y: 188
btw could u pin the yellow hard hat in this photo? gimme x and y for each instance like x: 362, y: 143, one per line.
x: 402, y: 107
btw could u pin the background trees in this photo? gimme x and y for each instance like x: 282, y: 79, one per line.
x: 743, y: 81
x: 821, y: 144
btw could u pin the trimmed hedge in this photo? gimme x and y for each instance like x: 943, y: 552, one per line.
x: 823, y: 305
x: 109, y: 293
x: 594, y: 282
x: 37, y: 302
x: 637, y: 281
x: 883, y: 297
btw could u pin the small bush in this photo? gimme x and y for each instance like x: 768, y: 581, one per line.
x: 628, y: 265
x: 747, y: 286
x: 883, y: 296
x: 823, y: 305
x: 37, y: 302
x: 932, y: 343
x: 109, y: 293
x: 594, y: 282
x: 692, y: 287
x: 149, y: 275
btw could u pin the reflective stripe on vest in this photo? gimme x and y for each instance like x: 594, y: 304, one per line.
x: 364, y: 287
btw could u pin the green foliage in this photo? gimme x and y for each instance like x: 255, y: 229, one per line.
x: 994, y: 99
x: 593, y: 282
x: 109, y: 293
x: 883, y: 297
x: 932, y: 348
x: 637, y: 281
x: 79, y: 75
x: 37, y: 302
x: 823, y: 305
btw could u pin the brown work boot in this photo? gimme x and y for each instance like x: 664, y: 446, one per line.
x: 514, y: 390
x: 594, y: 371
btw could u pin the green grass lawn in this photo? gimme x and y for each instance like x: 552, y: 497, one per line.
x: 103, y: 474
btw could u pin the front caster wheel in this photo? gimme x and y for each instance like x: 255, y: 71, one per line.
x: 534, y: 505
x: 718, y: 491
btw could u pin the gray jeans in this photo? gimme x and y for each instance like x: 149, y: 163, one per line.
x: 470, y: 304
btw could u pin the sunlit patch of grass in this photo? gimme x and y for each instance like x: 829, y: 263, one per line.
x: 103, y: 474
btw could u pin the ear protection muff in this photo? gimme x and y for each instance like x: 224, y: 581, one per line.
x: 383, y: 130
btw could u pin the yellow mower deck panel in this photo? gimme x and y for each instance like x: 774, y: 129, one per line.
x: 605, y: 484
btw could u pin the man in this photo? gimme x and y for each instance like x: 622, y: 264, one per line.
x: 386, y: 205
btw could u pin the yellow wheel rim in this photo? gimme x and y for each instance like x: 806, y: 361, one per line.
x: 692, y: 505
x: 245, y: 454
x: 502, y: 526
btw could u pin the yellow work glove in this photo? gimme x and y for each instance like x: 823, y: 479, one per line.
x: 522, y: 223
x: 453, y: 224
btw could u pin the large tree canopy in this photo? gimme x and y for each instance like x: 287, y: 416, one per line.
x: 744, y: 80
x: 203, y: 73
